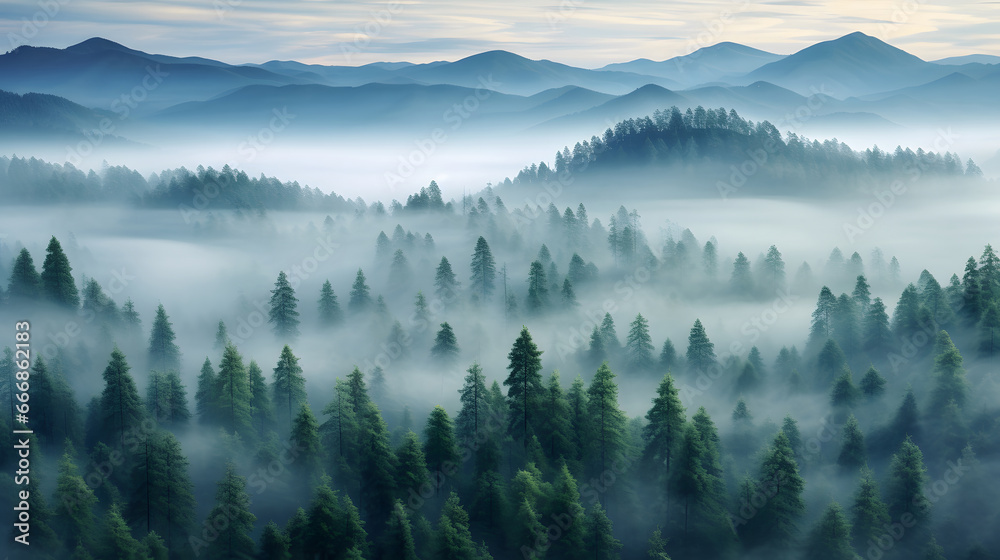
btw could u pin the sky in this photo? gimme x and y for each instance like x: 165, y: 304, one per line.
x: 586, y: 33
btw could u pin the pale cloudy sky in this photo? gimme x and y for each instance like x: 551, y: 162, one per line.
x: 588, y: 33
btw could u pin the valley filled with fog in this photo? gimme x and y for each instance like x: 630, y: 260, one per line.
x: 654, y: 328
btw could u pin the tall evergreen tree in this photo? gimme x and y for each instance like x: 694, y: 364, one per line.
x: 639, y: 345
x: 164, y: 355
x: 440, y: 448
x: 121, y: 408
x: 274, y: 544
x: 484, y: 270
x: 398, y: 537
x: 905, y: 490
x: 445, y: 284
x: 305, y: 437
x: 25, y: 283
x: 524, y: 386
x: 872, y: 384
x: 608, y: 441
x: 949, y: 375
x: 876, y: 333
x: 206, y: 398
x: 609, y: 336
x: 73, y: 519
x: 852, y: 448
x: 668, y: 356
x: 555, y: 427
x: 664, y: 432
x: 700, y: 351
x: 452, y: 537
x: 862, y: 295
x: 776, y: 523
x: 741, y: 280
x: 232, y: 519
x: 57, y: 277
x: 831, y: 538
x: 221, y: 336
x: 989, y: 332
x: 411, y: 467
x: 600, y: 541
x: 822, y: 318
x: 116, y: 539
x: 868, y: 514
x: 261, y: 411
x: 475, y: 412
x: 283, y: 313
x: 445, y: 346
x: 774, y: 268
x: 289, y: 386
x: 232, y: 389
x: 361, y: 299
x: 329, y: 308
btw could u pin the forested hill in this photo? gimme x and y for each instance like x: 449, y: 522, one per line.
x: 33, y: 181
x: 734, y: 152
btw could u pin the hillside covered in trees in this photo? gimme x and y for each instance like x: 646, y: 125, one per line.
x: 464, y: 381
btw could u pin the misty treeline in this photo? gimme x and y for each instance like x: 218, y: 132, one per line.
x: 890, y: 451
x: 736, y: 150
x: 731, y: 148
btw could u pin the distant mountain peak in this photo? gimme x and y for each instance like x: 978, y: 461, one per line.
x: 97, y: 43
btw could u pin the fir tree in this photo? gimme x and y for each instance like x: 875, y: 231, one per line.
x: 274, y: 544
x: 361, y: 299
x: 600, y: 542
x: 876, y: 333
x: 608, y: 426
x: 305, y: 438
x: 117, y: 542
x: 852, y: 448
x: 57, y: 277
x: 665, y: 430
x: 289, y: 386
x: 206, y: 399
x: 872, y: 384
x: 776, y: 523
x: 233, y: 393
x: 283, y: 314
x: 700, y: 351
x: 568, y: 295
x: 475, y: 412
x: 439, y: 442
x: 73, y: 518
x: 484, y: 270
x: 949, y: 375
x: 668, y: 356
x: 555, y: 427
x: 538, y: 292
x: 609, y: 336
x: 741, y: 280
x: 445, y: 283
x: 233, y: 505
x: 261, y: 412
x: 524, y: 386
x: 452, y: 537
x: 329, y: 308
x: 398, y: 538
x: 445, y: 346
x: 639, y: 345
x: 121, y: 408
x: 905, y: 490
x: 221, y: 336
x: 25, y: 283
x: 411, y: 467
x: 868, y: 514
x: 831, y: 538
x: 163, y: 353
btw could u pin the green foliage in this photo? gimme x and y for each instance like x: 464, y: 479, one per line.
x: 282, y: 312
x: 289, y: 386
x: 831, y: 538
x: 164, y: 355
x: 445, y: 346
x: 868, y: 514
x: 608, y: 436
x: 56, y: 279
x: 121, y: 408
x: 524, y: 386
x: 700, y: 351
x: 230, y: 519
x: 484, y: 270
x: 600, y: 541
x: 852, y: 448
x: 639, y: 345
x: 330, y: 313
x: 361, y: 299
x: 25, y: 283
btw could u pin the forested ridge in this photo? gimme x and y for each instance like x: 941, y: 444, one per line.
x: 690, y: 152
x: 871, y: 433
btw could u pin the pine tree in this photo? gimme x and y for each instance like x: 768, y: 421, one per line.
x: 822, y: 317
x: 831, y: 538
x: 775, y: 268
x: 399, y: 271
x: 741, y: 413
x: 524, y: 386
x: 154, y: 546
x: 609, y: 336
x: 665, y: 430
x: 538, y: 292
x: 639, y: 345
x: 440, y: 449
x: 445, y: 284
x: 73, y: 519
x: 741, y: 280
x: 905, y: 491
x: 117, y: 542
x: 474, y: 415
x: 830, y: 363
x: 411, y: 468
x: 872, y: 384
x: 398, y: 537
x: 852, y: 448
x: 163, y: 353
x: 121, y: 408
x: 949, y: 375
x: 445, y: 346
x: 361, y: 299
x: 596, y: 352
x: 668, y: 356
x: 206, y: 398
x: 555, y: 426
x: 296, y: 529
x: 162, y: 493
x: 166, y: 399
x: 221, y: 336
x: 329, y: 308
x: 868, y: 514
x: 568, y: 295
x: 274, y: 544
x: 700, y: 351
x: 862, y: 295
x: 131, y: 317
x: 305, y: 438
x: 972, y: 297
x: 844, y: 394
x: 57, y: 277
x: 261, y: 412
x: 600, y: 542
x: 877, y: 335
x: 233, y: 393
x: 989, y: 332
x: 232, y: 504
x: 282, y: 313
x: 776, y: 523
x: 569, y: 514
x: 289, y: 386
x: 608, y: 426
x: 748, y: 381
x: 484, y: 270
x: 452, y: 537
x: 25, y: 283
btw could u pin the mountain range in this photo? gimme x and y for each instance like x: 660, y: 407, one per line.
x: 855, y: 79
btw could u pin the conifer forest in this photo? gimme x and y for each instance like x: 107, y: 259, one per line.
x: 693, y: 332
